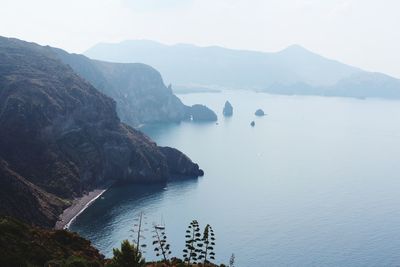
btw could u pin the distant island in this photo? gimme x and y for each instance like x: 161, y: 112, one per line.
x: 292, y: 71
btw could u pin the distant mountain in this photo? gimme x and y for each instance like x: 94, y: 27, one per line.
x: 294, y: 70
x: 60, y: 137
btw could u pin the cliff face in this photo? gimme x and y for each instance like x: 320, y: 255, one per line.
x: 59, y: 136
x: 138, y: 89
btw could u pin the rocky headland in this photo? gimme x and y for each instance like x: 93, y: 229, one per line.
x: 60, y: 137
x: 138, y: 89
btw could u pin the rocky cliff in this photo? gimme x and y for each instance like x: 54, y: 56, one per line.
x: 138, y: 89
x: 59, y: 136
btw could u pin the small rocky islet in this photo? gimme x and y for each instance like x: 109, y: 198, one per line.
x: 228, y: 109
x: 259, y: 112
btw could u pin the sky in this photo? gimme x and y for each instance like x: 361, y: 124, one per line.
x: 362, y: 33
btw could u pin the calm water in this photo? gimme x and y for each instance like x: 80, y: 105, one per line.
x: 315, y: 183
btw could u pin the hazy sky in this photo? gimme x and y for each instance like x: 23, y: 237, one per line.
x: 364, y: 33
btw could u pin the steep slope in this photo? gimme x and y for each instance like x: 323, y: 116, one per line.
x: 294, y: 70
x: 138, y: 89
x: 22, y: 199
x: 23, y: 245
x: 60, y: 134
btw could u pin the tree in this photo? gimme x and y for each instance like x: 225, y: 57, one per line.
x: 208, y: 243
x: 190, y: 253
x: 162, y: 248
x: 128, y: 256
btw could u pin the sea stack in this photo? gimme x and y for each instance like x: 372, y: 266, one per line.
x: 252, y: 124
x: 259, y: 112
x: 228, y: 109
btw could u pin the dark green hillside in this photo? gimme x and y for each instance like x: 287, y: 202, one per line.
x: 22, y: 245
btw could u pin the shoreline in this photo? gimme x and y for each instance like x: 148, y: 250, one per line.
x: 78, y: 206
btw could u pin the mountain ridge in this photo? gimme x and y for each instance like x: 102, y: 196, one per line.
x: 272, y: 72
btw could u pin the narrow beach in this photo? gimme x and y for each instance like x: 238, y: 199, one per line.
x: 77, y: 207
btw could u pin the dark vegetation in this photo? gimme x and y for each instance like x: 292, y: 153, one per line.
x: 24, y: 245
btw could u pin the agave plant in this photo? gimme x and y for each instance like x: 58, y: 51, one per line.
x: 208, y: 243
x: 162, y: 248
x: 192, y: 251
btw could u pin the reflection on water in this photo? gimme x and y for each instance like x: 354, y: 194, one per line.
x: 110, y: 219
x: 314, y: 183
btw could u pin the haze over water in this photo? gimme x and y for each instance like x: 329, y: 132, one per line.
x: 315, y: 183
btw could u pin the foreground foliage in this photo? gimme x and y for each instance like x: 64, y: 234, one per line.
x: 127, y: 256
x: 22, y: 245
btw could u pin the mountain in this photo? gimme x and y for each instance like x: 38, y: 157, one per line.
x: 60, y: 137
x: 294, y: 70
x: 138, y: 89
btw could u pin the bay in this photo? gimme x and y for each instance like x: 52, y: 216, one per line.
x: 316, y: 182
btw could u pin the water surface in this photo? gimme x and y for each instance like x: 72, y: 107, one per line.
x: 316, y: 182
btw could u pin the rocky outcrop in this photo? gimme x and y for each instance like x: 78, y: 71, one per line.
x: 138, y: 89
x: 259, y: 112
x: 252, y: 124
x: 201, y: 113
x: 180, y: 165
x: 59, y: 136
x: 228, y: 109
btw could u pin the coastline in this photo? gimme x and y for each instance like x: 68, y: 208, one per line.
x: 77, y: 207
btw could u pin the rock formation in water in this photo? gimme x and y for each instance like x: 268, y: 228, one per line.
x: 201, y: 113
x: 59, y: 137
x: 253, y: 124
x: 228, y: 109
x: 259, y: 112
x: 138, y: 89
